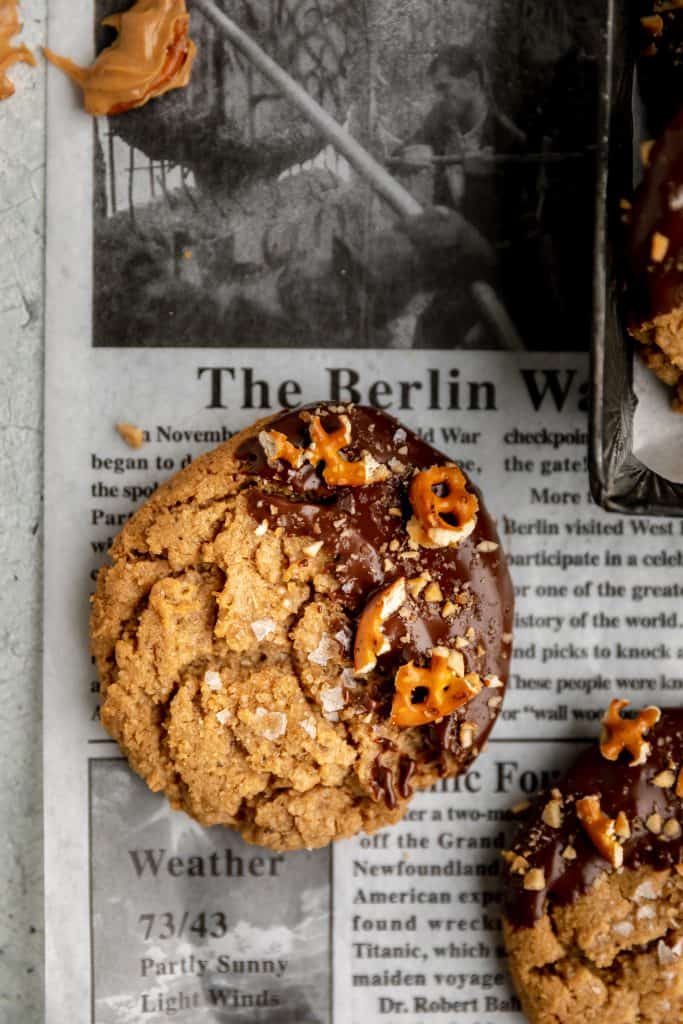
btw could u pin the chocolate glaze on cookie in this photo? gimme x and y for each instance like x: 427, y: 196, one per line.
x: 621, y: 788
x: 364, y: 531
x: 658, y: 210
x: 303, y: 627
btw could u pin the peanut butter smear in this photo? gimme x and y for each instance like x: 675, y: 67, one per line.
x: 10, y: 25
x: 151, y: 55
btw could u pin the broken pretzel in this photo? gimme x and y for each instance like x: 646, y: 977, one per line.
x: 621, y: 734
x: 429, y: 525
x: 370, y: 638
x: 601, y: 829
x: 426, y: 695
x: 339, y: 472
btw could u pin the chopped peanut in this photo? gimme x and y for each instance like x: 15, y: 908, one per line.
x: 653, y: 23
x: 534, y: 880
x: 518, y: 865
x: 417, y: 584
x: 370, y: 638
x: 627, y: 733
x: 654, y: 823
x: 466, y: 734
x: 433, y: 592
x: 664, y: 780
x: 520, y: 807
x: 600, y: 828
x: 659, y: 247
x: 133, y: 436
x: 444, y: 685
x: 621, y: 826
x: 552, y: 814
x: 487, y: 546
x: 428, y: 527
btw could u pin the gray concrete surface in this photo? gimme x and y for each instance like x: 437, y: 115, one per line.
x: 22, y: 176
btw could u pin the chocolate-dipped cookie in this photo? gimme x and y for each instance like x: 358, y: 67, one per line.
x: 305, y: 626
x: 656, y: 260
x: 593, y: 918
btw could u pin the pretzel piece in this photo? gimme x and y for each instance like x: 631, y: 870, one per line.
x: 339, y: 472
x: 600, y: 829
x: 443, y: 688
x: 428, y: 526
x: 621, y: 734
x: 370, y: 638
x: 277, y: 445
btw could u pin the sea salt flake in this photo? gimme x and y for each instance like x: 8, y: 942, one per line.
x: 668, y: 955
x: 645, y: 891
x: 332, y: 699
x: 224, y: 716
x: 343, y: 638
x: 622, y: 928
x: 644, y: 913
x: 309, y: 727
x: 213, y: 680
x: 326, y: 649
x: 348, y: 679
x: 272, y: 725
x: 262, y: 628
x: 399, y: 436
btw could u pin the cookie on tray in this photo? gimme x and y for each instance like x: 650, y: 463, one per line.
x: 656, y: 260
x: 305, y: 626
x: 594, y: 882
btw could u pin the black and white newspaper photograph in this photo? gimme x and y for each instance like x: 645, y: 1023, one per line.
x: 342, y: 467
x: 231, y: 219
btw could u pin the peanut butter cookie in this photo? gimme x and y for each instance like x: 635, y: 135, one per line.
x: 594, y: 917
x: 305, y: 626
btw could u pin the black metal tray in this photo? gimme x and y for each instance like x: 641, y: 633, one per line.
x: 620, y: 482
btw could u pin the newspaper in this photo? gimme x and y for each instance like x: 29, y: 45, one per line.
x: 180, y: 299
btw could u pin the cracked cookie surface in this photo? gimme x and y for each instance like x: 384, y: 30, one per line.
x: 224, y: 631
x: 594, y: 882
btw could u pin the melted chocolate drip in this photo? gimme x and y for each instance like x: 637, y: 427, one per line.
x: 406, y: 769
x: 363, y: 530
x: 659, y: 207
x: 383, y: 784
x: 621, y: 788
